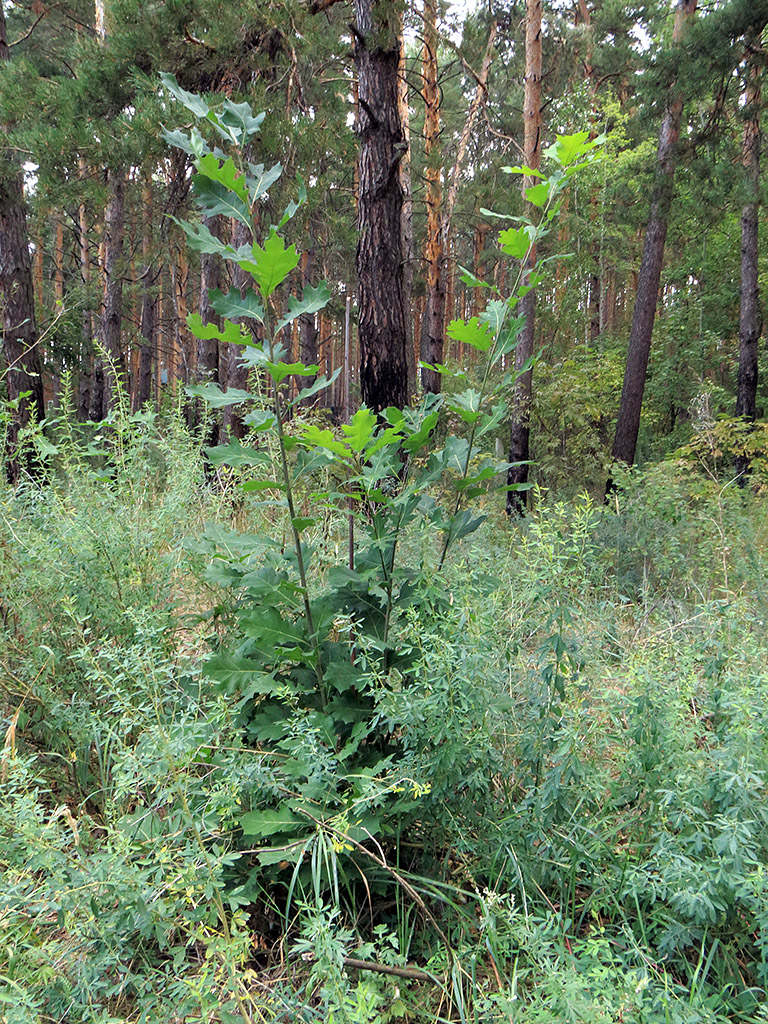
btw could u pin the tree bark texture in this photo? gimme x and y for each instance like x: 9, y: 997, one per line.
x: 520, y: 423
x: 630, y: 406
x: 585, y: 16
x: 86, y: 355
x: 750, y: 325
x: 595, y: 305
x: 148, y: 325
x: 406, y: 221
x: 433, y: 323
x: 110, y: 369
x: 21, y: 359
x: 379, y: 259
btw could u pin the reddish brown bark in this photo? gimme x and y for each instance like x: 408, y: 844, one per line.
x: 630, y: 407
x: 433, y: 323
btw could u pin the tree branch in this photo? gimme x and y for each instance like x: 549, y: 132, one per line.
x: 399, y: 972
x: 34, y: 25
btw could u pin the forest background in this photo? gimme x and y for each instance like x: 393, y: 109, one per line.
x: 354, y: 752
x: 112, y: 272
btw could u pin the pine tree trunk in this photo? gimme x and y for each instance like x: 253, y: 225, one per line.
x: 478, y: 296
x: 630, y: 407
x: 48, y: 357
x: 58, y: 259
x: 406, y: 223
x: 595, y: 314
x: 149, y: 273
x: 180, y: 355
x: 110, y: 370
x: 585, y: 15
x: 750, y: 321
x: 100, y: 19
x: 86, y: 351
x: 37, y: 266
x: 611, y: 301
x: 750, y: 326
x: 21, y: 360
x: 210, y: 278
x: 433, y: 323
x: 520, y: 429
x: 381, y: 294
x: 207, y: 350
x: 450, y: 281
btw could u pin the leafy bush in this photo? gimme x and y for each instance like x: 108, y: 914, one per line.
x: 314, y: 666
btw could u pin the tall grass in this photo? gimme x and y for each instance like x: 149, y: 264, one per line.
x: 583, y: 836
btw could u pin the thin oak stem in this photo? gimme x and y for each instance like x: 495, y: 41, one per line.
x: 278, y: 410
x: 522, y: 271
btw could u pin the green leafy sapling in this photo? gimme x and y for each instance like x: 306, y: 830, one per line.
x: 299, y: 691
x: 307, y: 684
x: 235, y: 187
x: 496, y: 331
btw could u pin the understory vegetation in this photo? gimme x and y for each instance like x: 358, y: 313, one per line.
x: 542, y: 798
x: 302, y: 727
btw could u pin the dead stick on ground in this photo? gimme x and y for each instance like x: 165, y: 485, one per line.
x: 400, y: 972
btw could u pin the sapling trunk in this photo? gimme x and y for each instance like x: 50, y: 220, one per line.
x: 523, y: 271
x: 278, y: 410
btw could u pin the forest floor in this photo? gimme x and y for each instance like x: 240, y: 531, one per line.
x: 572, y: 825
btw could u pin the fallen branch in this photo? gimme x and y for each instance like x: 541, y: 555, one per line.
x: 400, y: 972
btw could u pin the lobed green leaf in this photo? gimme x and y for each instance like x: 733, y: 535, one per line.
x: 233, y: 305
x: 215, y: 397
x: 272, y: 263
x: 471, y: 332
x: 232, y: 334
